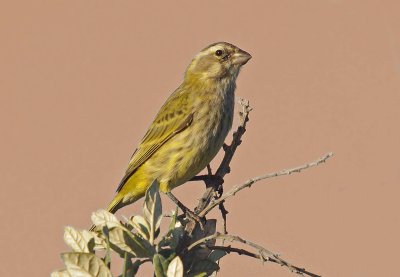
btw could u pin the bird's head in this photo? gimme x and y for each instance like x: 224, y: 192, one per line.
x: 217, y: 61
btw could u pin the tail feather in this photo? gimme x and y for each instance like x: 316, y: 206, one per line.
x: 115, y: 204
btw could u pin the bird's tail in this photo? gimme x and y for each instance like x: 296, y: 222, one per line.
x: 112, y: 207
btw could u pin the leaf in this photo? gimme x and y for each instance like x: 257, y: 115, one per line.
x: 99, y: 242
x: 140, y: 225
x: 127, y: 265
x: 152, y: 209
x: 203, y: 268
x: 85, y: 265
x: 198, y: 234
x: 160, y: 265
x: 79, y: 241
x: 103, y: 218
x: 175, y: 268
x: 60, y: 273
x: 122, y: 241
x: 216, y: 255
x: 135, y: 267
x: 173, y: 222
x: 130, y: 269
x: 199, y: 274
x: 107, y: 257
x: 175, y: 236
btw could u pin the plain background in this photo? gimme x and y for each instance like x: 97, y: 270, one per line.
x: 81, y: 80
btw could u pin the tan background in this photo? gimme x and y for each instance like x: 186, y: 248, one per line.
x: 81, y: 80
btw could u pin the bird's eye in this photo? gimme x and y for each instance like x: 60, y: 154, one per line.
x: 218, y: 52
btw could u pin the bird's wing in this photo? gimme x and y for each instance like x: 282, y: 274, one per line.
x: 173, y: 117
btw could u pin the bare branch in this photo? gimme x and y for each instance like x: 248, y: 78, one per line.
x: 264, y: 254
x: 230, y: 150
x: 212, y: 199
x: 250, y: 182
x: 224, y: 212
x: 240, y: 251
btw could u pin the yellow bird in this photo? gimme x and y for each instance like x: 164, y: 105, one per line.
x: 190, y: 127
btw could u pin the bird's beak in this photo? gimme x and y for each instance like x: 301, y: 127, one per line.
x: 241, y: 57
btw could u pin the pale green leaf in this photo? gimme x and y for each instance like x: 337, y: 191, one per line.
x: 85, y: 265
x: 107, y: 256
x: 90, y: 237
x: 152, y: 209
x: 103, y: 218
x: 175, y: 268
x: 173, y: 221
x: 122, y: 241
x: 60, y: 273
x: 79, y: 241
x: 99, y: 242
x: 140, y: 225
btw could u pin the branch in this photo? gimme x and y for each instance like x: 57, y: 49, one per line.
x: 240, y: 251
x: 264, y: 254
x: 250, y: 182
x: 230, y: 150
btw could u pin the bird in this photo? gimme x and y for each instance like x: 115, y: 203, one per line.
x: 189, y: 129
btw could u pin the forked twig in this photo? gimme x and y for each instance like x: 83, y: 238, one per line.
x: 251, y: 181
x: 264, y: 254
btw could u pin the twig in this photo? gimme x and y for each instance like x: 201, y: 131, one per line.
x: 214, y: 182
x: 224, y: 167
x: 240, y: 251
x: 250, y: 182
x: 189, y: 214
x: 264, y: 254
x: 224, y: 212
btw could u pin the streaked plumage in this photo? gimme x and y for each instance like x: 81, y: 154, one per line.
x: 190, y: 127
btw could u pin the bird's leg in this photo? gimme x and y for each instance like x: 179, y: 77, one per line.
x: 210, y: 180
x: 204, y: 178
x: 186, y: 210
x: 200, y: 178
x: 215, y: 181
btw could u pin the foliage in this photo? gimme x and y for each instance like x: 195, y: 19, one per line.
x: 137, y: 240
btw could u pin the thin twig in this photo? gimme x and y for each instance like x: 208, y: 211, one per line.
x: 224, y: 212
x: 264, y: 254
x: 224, y: 167
x: 239, y: 251
x: 250, y: 182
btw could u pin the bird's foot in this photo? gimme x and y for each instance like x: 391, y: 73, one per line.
x: 215, y: 181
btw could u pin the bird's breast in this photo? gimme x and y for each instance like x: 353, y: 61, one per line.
x: 191, y: 150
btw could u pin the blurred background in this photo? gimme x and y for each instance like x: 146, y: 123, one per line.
x: 81, y: 80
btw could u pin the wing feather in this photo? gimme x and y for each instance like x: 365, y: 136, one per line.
x: 173, y: 117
